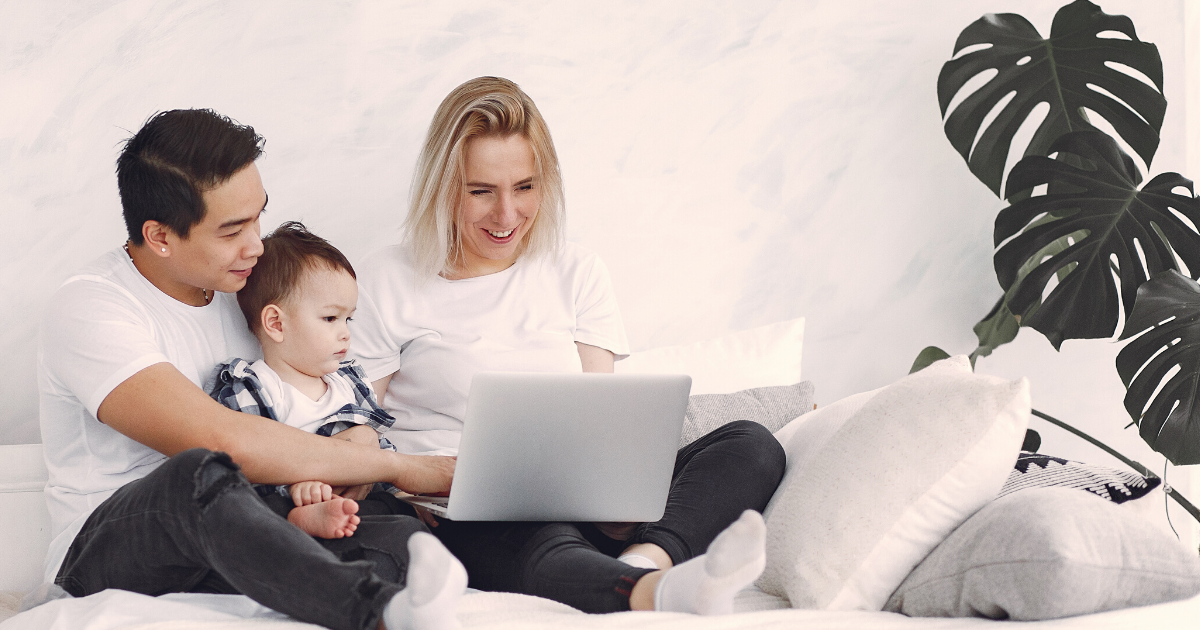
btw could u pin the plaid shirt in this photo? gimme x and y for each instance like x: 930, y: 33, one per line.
x: 235, y: 385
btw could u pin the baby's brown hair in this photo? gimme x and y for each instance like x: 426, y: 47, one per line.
x: 288, y: 253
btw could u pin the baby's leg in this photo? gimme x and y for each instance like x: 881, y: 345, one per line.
x: 335, y: 518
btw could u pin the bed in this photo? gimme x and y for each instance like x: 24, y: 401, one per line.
x: 892, y: 531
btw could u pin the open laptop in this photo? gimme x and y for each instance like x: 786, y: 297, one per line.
x: 565, y: 447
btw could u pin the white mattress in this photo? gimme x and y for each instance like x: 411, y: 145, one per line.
x: 111, y: 609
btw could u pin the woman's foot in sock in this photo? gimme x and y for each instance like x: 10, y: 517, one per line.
x: 436, y: 579
x: 707, y: 584
x: 335, y: 518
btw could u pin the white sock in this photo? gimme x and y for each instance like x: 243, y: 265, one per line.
x: 707, y: 584
x: 436, y: 579
x: 638, y: 560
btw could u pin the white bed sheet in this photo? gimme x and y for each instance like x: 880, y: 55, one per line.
x: 113, y: 609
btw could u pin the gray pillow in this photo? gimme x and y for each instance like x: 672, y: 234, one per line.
x: 1045, y: 553
x: 771, y: 407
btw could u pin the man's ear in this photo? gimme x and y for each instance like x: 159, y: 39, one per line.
x: 155, y: 235
x: 271, y: 320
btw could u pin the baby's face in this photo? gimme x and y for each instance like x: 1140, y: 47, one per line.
x: 315, y: 331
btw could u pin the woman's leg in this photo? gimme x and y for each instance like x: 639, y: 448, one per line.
x: 735, y: 468
x: 551, y: 560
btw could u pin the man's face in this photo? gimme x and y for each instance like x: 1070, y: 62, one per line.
x: 220, y: 250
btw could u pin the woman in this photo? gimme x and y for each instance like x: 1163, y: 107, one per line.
x: 484, y: 281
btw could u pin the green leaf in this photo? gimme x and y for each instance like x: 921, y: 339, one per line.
x: 1097, y: 215
x: 1056, y: 71
x: 1000, y: 326
x: 928, y: 356
x: 997, y: 328
x: 1168, y: 307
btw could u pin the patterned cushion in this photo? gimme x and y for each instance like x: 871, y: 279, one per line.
x: 771, y: 407
x: 1045, y: 471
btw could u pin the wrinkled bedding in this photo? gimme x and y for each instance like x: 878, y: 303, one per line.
x: 111, y: 609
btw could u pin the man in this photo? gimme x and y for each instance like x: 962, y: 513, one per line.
x: 145, y: 491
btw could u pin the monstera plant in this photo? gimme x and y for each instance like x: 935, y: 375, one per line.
x: 1082, y: 240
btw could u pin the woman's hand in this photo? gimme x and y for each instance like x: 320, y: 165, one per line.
x: 426, y: 516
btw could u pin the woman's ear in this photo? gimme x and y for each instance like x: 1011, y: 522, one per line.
x: 154, y: 235
x: 271, y: 320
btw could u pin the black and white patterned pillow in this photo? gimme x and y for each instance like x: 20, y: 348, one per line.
x: 1044, y: 471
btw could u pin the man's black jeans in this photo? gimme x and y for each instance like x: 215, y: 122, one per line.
x: 195, y: 524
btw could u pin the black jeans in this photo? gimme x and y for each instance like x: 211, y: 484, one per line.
x: 735, y: 468
x: 194, y: 524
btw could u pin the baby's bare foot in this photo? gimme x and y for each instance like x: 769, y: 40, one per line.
x: 335, y: 518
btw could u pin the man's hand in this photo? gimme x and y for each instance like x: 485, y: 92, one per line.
x: 427, y: 474
x: 309, y: 492
x: 365, y: 435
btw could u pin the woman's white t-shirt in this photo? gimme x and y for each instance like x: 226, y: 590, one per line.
x: 435, y: 334
x: 102, y: 326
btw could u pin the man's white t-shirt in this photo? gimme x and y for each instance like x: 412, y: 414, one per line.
x: 294, y: 408
x: 435, y: 334
x: 103, y: 325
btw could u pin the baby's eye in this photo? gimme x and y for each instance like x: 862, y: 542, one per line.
x: 349, y: 319
x: 330, y: 318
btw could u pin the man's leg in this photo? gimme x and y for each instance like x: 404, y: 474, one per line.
x: 196, y: 514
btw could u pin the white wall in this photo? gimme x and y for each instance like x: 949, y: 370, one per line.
x: 734, y: 163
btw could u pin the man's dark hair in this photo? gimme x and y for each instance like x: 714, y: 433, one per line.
x: 175, y: 157
x: 288, y: 253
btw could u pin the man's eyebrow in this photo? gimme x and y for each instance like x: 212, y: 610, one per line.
x: 229, y: 224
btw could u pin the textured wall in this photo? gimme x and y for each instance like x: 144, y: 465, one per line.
x: 734, y: 163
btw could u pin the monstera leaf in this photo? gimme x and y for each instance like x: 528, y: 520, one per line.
x: 1095, y: 224
x: 1060, y: 71
x: 1169, y: 306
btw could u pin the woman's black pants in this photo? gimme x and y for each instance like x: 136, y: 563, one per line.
x: 732, y: 469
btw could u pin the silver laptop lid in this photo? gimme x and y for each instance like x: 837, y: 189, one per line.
x: 568, y: 447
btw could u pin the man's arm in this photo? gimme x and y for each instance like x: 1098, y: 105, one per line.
x: 162, y: 409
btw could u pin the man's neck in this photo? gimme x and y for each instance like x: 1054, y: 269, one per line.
x: 313, y: 387
x: 152, y: 269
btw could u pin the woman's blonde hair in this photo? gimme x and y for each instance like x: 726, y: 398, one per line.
x: 483, y: 106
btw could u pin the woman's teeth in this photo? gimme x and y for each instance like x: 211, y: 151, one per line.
x: 501, y: 234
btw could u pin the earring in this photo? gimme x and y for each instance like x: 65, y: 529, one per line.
x: 164, y: 250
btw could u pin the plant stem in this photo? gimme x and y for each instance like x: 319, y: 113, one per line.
x: 1142, y: 470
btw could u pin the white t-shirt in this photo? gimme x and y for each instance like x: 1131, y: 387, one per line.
x: 295, y: 408
x: 102, y: 326
x: 436, y: 334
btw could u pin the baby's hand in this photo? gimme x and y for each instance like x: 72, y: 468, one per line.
x: 309, y: 492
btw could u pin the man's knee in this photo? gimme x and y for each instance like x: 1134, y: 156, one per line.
x: 210, y: 473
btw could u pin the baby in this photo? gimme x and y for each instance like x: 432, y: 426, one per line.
x: 297, y: 302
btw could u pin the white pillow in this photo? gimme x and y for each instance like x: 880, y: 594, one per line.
x: 759, y: 357
x: 870, y: 492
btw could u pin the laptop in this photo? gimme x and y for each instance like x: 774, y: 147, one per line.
x: 565, y: 447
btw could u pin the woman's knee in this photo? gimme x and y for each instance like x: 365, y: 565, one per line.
x: 755, y: 445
